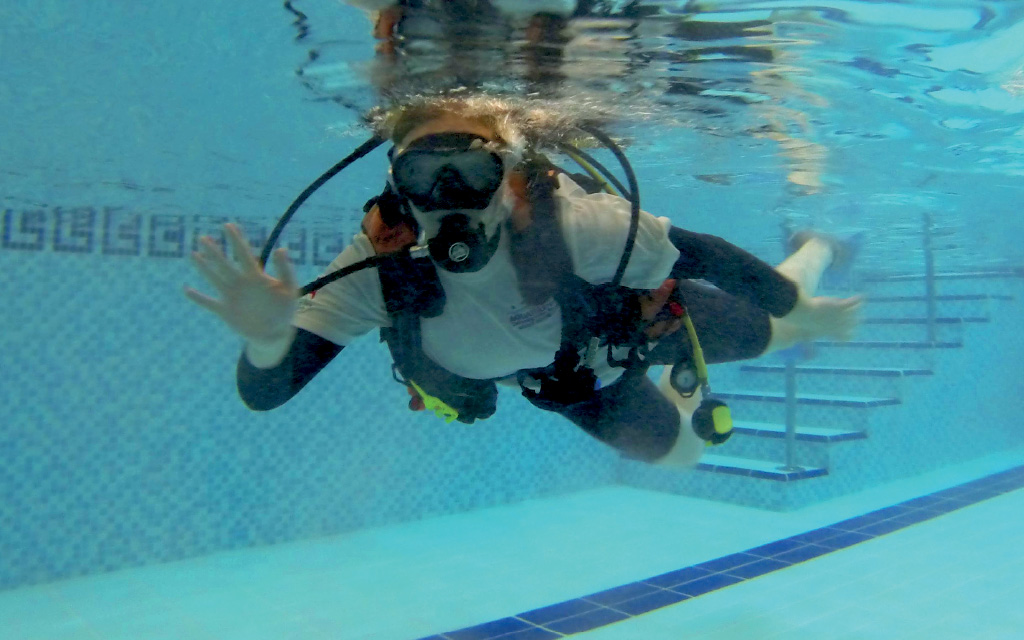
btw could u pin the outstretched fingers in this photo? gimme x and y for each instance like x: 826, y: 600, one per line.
x: 217, y: 269
x: 285, y: 270
x: 210, y: 267
x: 240, y: 247
x: 204, y: 301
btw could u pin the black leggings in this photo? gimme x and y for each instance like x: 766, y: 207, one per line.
x: 631, y: 415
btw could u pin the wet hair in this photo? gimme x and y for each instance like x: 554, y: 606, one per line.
x: 518, y: 122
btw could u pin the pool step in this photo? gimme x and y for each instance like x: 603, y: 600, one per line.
x: 973, y: 274
x: 996, y: 281
x: 851, y: 392
x: 890, y: 329
x: 850, y: 411
x: 811, y: 378
x: 848, y: 401
x: 974, y: 305
x: 767, y: 441
x: 914, y: 354
x: 736, y: 466
x: 818, y: 435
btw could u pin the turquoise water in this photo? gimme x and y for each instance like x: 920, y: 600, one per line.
x: 140, y: 499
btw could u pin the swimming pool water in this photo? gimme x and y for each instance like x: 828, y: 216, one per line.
x: 140, y: 499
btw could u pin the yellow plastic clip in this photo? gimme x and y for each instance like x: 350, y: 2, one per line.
x: 430, y: 403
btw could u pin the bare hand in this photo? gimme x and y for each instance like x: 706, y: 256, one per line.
x: 255, y: 305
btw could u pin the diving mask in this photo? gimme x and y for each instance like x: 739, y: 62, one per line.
x: 448, y: 171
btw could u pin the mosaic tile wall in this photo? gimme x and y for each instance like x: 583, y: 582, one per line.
x: 124, y: 442
x: 968, y: 406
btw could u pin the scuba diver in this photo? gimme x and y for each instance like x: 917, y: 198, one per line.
x: 483, y: 263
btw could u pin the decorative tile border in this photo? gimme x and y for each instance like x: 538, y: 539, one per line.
x: 621, y: 603
x: 118, y: 231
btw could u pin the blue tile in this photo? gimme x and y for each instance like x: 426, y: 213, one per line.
x: 1009, y: 473
x: 818, y: 534
x: 727, y: 562
x: 922, y: 503
x: 758, y: 568
x: 704, y: 585
x: 620, y: 594
x: 535, y: 633
x: 804, y: 553
x: 854, y: 524
x: 984, y: 494
x: 558, y: 611
x: 984, y: 483
x: 843, y: 540
x: 1006, y: 486
x: 957, y: 501
x: 954, y: 492
x: 894, y: 510
x: 775, y: 548
x: 1016, y: 472
x: 489, y: 630
x: 915, y: 517
x: 592, y: 620
x: 673, y: 578
x: 650, y: 602
x: 883, y: 527
x: 945, y: 506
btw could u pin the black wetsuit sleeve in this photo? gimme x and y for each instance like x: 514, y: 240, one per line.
x: 733, y: 270
x: 265, y: 389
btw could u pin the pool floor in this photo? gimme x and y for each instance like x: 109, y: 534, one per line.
x: 956, y: 575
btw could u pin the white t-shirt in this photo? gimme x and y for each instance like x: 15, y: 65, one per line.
x: 486, y: 330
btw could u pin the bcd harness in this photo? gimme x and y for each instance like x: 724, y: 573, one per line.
x: 594, y: 317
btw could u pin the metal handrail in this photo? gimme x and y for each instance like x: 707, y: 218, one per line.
x: 791, y: 464
x: 929, y: 276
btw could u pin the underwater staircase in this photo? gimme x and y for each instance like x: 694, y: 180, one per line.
x: 871, y: 410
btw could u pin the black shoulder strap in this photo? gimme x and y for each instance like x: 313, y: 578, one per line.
x: 540, y: 279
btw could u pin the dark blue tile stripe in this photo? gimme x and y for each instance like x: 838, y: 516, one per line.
x: 621, y: 603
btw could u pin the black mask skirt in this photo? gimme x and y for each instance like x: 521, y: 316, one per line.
x: 448, y: 171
